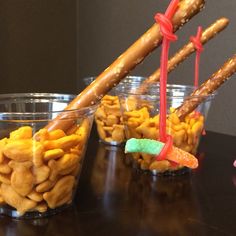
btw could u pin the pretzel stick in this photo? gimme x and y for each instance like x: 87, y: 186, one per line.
x: 207, y: 88
x: 187, y: 50
x: 125, y: 63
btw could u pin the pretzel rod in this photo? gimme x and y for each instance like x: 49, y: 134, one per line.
x: 207, y: 88
x: 187, y: 50
x: 126, y: 62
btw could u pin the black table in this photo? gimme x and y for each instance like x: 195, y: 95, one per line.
x: 114, y: 199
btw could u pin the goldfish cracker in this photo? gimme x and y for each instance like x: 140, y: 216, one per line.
x: 41, y: 135
x: 35, y: 196
x: 197, y: 127
x: 61, y: 193
x: 40, y: 173
x: 160, y: 166
x: 63, y: 143
x: 53, y: 154
x: 118, y: 133
x: 111, y: 120
x: 56, y: 134
x: 19, y: 150
x: 144, y: 165
x: 178, y: 137
x: 112, y: 109
x: 45, y: 186
x: 66, y: 162
x: 24, y: 132
x: 12, y: 198
x: 22, y: 179
x: 174, y: 119
x: 37, y: 153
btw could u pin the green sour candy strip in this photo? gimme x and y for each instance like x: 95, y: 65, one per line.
x: 148, y: 146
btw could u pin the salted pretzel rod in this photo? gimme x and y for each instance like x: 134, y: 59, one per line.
x: 187, y: 50
x: 207, y: 88
x: 125, y: 63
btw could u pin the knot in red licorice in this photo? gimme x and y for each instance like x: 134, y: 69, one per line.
x: 167, y: 147
x: 197, y: 43
x: 166, y: 26
x: 197, y: 40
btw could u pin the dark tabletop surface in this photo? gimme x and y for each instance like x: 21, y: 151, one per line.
x: 114, y: 199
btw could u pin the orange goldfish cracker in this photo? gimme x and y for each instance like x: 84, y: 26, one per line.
x: 70, y: 170
x: 53, y: 154
x: 197, y: 128
x: 160, y: 166
x: 132, y: 133
x: 108, y: 140
x: 174, y: 119
x: 12, y: 198
x: 77, y: 150
x: 61, y: 192
x: 178, y: 137
x: 41, y: 135
x: 108, y: 129
x: 101, y: 131
x: 37, y: 153
x: 22, y: 179
x: 24, y: 132
x: 35, y: 196
x: 110, y: 98
x: 45, y: 186
x: 64, y: 163
x: 144, y: 165
x: 40, y: 173
x: 118, y: 133
x: 56, y: 134
x: 100, y: 113
x: 19, y: 150
x: 112, y: 120
x: 112, y: 109
x: 64, y: 143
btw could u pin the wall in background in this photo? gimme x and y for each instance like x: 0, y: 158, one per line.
x: 49, y: 46
x: 108, y: 27
x: 38, y: 46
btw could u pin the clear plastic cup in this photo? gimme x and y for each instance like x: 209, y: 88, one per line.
x: 39, y: 169
x: 108, y: 116
x: 140, y: 114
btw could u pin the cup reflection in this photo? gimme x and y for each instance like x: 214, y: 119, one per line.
x: 164, y: 205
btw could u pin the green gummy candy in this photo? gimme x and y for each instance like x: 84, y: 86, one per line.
x: 148, y: 146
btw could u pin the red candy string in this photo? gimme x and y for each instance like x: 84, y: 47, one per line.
x: 198, y: 45
x: 166, y: 29
x: 165, y: 149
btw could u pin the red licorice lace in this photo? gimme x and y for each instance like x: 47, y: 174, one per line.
x: 198, y: 45
x: 166, y: 29
x: 166, y: 148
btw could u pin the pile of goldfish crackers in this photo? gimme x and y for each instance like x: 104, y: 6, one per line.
x: 39, y: 172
